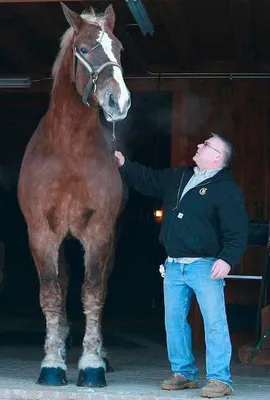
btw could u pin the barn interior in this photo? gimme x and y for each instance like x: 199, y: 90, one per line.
x: 205, y: 67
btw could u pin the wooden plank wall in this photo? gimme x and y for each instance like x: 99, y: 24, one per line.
x: 240, y: 109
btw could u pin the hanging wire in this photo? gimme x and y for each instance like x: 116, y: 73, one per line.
x: 40, y: 80
x: 113, y: 131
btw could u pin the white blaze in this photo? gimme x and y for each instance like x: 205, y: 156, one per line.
x: 106, y: 44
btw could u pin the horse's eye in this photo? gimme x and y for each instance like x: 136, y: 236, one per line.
x: 84, y: 50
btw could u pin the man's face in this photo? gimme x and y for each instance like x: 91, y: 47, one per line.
x: 210, y: 153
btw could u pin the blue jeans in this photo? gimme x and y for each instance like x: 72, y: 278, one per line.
x: 180, y: 282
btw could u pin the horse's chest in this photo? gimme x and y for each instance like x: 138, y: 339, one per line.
x: 95, y: 185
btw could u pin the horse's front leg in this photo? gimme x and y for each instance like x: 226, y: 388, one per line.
x: 92, y: 366
x: 44, y: 249
x: 63, y: 278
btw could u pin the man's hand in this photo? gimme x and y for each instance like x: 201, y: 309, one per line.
x: 120, y: 159
x: 220, y: 269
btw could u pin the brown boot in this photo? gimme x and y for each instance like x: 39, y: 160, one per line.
x: 178, y: 382
x: 215, y: 389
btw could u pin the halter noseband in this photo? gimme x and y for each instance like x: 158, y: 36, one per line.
x: 92, y: 71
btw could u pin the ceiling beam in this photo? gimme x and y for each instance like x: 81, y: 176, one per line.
x: 54, y: 1
x: 176, y: 24
x: 8, y: 65
x: 241, y: 17
x: 46, y: 29
x: 21, y: 55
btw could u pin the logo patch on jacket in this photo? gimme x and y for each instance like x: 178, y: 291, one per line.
x: 203, y: 191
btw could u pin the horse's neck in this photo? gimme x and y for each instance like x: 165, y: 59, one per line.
x: 67, y: 108
x: 69, y: 120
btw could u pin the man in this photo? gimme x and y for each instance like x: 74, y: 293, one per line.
x: 204, y: 231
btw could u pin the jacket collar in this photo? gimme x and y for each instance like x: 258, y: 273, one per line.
x: 224, y: 174
x: 207, y: 173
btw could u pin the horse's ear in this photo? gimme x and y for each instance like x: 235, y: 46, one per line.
x: 109, y: 17
x: 72, y: 17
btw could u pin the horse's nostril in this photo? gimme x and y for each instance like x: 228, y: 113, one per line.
x: 112, y: 101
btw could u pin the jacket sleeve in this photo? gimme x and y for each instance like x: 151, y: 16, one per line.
x: 144, y: 180
x: 234, y: 227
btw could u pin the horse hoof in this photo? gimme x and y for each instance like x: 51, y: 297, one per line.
x: 109, y: 368
x: 52, y: 377
x: 92, y: 377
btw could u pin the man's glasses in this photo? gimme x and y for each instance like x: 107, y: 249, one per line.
x: 207, y: 144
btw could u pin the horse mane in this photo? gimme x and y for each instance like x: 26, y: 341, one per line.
x: 92, y: 18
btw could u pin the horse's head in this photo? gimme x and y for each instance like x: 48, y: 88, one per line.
x: 97, y: 70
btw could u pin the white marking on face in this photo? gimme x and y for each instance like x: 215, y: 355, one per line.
x: 106, y: 44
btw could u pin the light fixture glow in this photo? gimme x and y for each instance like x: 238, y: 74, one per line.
x: 14, y: 83
x: 158, y: 215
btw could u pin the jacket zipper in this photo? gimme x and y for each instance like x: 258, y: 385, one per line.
x: 178, y: 202
x: 179, y: 188
x: 175, y: 208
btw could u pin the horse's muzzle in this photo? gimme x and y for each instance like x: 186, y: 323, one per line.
x: 113, y: 112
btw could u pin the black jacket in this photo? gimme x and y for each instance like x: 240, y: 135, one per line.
x: 209, y: 221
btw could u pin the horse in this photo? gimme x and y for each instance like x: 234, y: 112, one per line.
x: 69, y: 185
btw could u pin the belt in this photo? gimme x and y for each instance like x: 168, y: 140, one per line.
x: 183, y: 260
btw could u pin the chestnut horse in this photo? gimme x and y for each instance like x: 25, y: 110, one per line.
x: 69, y: 184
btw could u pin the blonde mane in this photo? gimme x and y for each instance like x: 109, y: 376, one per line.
x: 92, y: 18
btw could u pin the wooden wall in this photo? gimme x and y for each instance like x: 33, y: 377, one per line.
x: 240, y: 109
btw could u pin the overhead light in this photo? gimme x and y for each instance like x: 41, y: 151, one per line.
x: 14, y: 83
x: 141, y: 16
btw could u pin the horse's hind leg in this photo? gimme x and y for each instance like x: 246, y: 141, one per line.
x: 91, y: 365
x: 44, y: 247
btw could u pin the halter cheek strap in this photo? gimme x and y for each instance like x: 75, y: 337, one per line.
x: 92, y: 72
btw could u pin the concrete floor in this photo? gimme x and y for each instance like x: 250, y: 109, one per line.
x: 140, y: 365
